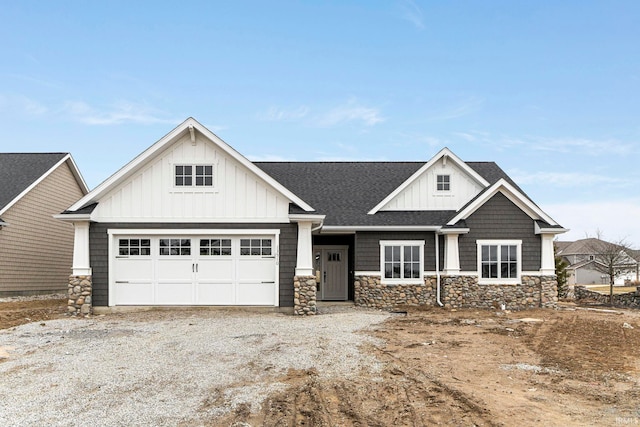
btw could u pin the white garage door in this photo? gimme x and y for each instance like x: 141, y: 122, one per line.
x: 194, y: 270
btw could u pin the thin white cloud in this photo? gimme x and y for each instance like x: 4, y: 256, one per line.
x: 583, y: 145
x: 466, y: 107
x: 122, y: 112
x: 412, y: 13
x: 564, y: 179
x: 352, y: 111
x: 617, y: 219
x: 20, y: 104
x: 275, y: 114
x: 561, y: 145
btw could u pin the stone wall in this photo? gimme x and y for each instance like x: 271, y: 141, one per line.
x: 304, y: 295
x: 79, y: 302
x: 458, y: 292
x: 629, y: 299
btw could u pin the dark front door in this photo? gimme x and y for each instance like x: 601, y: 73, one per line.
x: 331, y: 264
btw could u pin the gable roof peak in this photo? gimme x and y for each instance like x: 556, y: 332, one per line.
x: 445, y: 154
x: 190, y: 125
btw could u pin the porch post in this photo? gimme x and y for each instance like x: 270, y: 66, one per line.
x: 80, y: 282
x: 547, y: 259
x: 451, y: 254
x: 304, y: 281
x: 304, y: 263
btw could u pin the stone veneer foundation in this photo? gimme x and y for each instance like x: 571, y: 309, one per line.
x: 304, y: 295
x: 458, y: 292
x: 80, y: 288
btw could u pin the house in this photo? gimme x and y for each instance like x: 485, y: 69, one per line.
x: 190, y: 221
x: 35, y: 249
x: 582, y: 257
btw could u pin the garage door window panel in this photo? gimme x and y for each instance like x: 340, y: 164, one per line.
x: 256, y: 247
x: 215, y: 247
x: 134, y: 247
x: 175, y: 247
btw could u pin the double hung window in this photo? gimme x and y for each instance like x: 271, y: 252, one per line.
x: 499, y: 261
x: 402, y: 261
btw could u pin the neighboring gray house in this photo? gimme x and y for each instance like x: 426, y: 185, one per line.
x: 581, y: 257
x: 190, y: 221
x: 35, y: 249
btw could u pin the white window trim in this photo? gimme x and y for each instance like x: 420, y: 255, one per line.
x: 193, y: 188
x: 385, y: 243
x: 445, y: 191
x: 499, y: 281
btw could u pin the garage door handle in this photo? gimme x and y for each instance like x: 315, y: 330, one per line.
x: 122, y: 281
x: 268, y: 282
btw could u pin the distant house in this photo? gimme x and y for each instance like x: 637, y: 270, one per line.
x: 582, y: 259
x: 36, y: 249
x: 190, y: 221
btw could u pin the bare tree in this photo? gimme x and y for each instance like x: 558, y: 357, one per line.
x: 611, y: 259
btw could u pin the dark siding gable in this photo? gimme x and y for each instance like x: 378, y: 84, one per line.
x: 499, y: 218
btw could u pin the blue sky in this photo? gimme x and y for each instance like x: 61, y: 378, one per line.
x: 549, y: 90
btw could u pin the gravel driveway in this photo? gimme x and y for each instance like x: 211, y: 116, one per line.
x: 168, y: 367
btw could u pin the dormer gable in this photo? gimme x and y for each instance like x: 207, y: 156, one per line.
x: 443, y: 183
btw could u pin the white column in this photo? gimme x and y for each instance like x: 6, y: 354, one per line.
x: 451, y: 254
x: 81, y: 264
x: 304, y: 264
x: 547, y: 260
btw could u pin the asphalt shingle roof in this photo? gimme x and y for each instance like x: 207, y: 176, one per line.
x: 346, y: 191
x: 19, y: 170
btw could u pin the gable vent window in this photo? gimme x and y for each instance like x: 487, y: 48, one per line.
x: 443, y: 183
x: 194, y: 175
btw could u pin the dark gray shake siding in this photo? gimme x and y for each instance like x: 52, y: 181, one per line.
x: 499, y: 218
x: 99, y: 253
x: 367, y: 251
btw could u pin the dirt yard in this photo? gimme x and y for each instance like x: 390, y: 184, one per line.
x: 541, y: 367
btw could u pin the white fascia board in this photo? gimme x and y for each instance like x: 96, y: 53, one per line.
x: 509, y: 191
x: 76, y: 173
x: 353, y: 229
x: 34, y: 183
x: 190, y: 220
x: 539, y: 230
x: 193, y: 231
x: 454, y: 231
x: 73, y: 217
x: 170, y: 138
x: 444, y: 152
x: 303, y: 217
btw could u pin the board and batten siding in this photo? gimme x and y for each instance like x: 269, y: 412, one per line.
x: 36, y: 250
x: 500, y: 219
x: 422, y: 193
x: 150, y: 194
x: 99, y: 253
x: 367, y: 248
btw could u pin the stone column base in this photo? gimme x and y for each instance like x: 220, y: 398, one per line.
x: 80, y: 288
x: 304, y: 295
